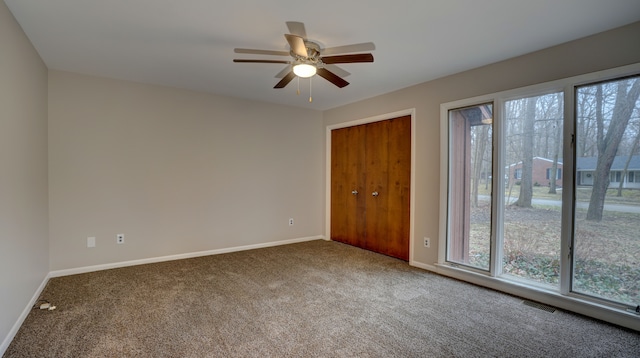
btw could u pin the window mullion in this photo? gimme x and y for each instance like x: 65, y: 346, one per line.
x: 568, y: 193
x: 498, y: 188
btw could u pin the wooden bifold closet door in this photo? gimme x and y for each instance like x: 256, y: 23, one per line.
x: 370, y: 186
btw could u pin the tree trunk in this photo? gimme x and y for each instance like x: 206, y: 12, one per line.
x: 553, y: 176
x: 526, y: 182
x: 481, y: 145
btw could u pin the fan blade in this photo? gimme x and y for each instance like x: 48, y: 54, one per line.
x: 260, y: 52
x: 361, y: 57
x: 297, y: 28
x: 337, y: 70
x: 260, y: 61
x: 365, y: 46
x: 283, y: 72
x: 332, y: 77
x: 285, y: 81
x: 297, y: 45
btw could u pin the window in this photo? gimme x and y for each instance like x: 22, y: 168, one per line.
x: 558, y: 174
x: 604, y: 236
x: 522, y: 231
x: 470, y: 205
x: 517, y: 174
x: 530, y: 237
x: 615, y: 177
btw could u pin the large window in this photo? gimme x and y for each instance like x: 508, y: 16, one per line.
x: 606, y: 263
x: 530, y: 227
x: 572, y: 234
x: 470, y: 186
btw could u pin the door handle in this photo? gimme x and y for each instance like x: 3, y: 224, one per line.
x: 354, y: 192
x: 375, y: 193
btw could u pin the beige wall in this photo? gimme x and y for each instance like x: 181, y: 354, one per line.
x: 606, y: 50
x: 24, y: 246
x: 176, y: 171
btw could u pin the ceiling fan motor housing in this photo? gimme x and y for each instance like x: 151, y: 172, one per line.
x: 313, y: 54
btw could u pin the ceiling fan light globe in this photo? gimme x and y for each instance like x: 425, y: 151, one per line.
x: 304, y: 70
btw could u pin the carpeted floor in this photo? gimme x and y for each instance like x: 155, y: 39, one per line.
x: 313, y: 299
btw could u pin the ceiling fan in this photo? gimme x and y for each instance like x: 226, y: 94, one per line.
x: 309, y: 59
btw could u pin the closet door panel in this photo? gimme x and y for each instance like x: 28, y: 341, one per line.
x: 399, y: 188
x: 377, y: 198
x: 347, y: 200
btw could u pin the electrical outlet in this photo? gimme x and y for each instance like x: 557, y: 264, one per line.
x: 91, y: 241
x: 427, y: 242
x: 120, y: 238
x: 290, y: 221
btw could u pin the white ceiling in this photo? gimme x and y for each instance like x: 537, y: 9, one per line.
x: 189, y: 43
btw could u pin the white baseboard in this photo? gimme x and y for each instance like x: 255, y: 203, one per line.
x: 58, y: 273
x: 16, y: 326
x: 78, y: 270
x: 423, y: 266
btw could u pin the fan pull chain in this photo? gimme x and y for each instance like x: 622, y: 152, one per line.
x: 310, y: 99
x: 298, y: 92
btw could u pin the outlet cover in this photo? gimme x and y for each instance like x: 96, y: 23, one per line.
x: 120, y: 238
x: 427, y: 242
x: 290, y: 221
x: 91, y: 241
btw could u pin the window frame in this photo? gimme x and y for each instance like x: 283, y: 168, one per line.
x: 562, y: 297
x: 449, y: 207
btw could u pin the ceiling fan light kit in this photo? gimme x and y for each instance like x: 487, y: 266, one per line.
x: 308, y: 59
x: 304, y: 70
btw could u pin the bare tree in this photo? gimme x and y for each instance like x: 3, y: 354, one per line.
x: 526, y: 182
x: 625, y: 102
x: 478, y: 155
x: 553, y: 176
x: 514, y: 143
x: 586, y: 126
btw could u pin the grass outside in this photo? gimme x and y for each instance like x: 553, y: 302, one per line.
x: 607, y: 257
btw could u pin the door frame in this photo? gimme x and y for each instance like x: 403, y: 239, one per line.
x: 383, y: 117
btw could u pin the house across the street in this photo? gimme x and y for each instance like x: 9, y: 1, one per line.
x: 586, y: 167
x: 542, y: 168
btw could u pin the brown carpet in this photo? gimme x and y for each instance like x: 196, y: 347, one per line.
x: 313, y: 299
